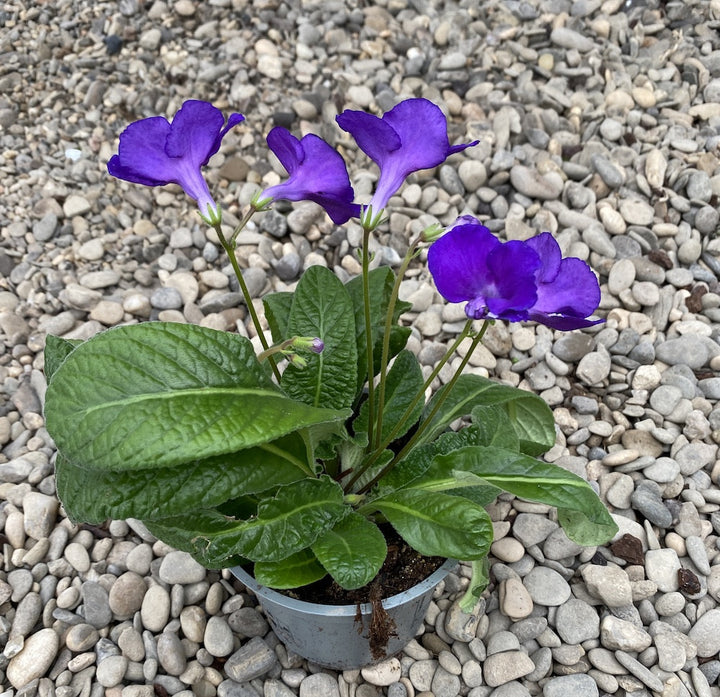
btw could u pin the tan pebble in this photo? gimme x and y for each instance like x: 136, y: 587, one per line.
x: 515, y: 601
x: 644, y: 97
x: 508, y: 550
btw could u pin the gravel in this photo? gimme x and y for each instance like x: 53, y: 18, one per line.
x: 598, y: 120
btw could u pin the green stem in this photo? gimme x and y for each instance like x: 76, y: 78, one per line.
x: 368, y: 328
x: 229, y: 247
x: 386, y: 336
x: 406, y: 415
x: 428, y: 420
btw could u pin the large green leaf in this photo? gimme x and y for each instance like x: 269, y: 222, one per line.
x: 277, y: 313
x: 530, y: 416
x: 352, y: 551
x: 437, y: 524
x: 381, y: 281
x: 161, y: 394
x: 588, y: 520
x: 404, y: 382
x: 93, y: 496
x: 417, y: 462
x: 297, y: 570
x: 56, y: 351
x: 286, y: 523
x: 321, y: 307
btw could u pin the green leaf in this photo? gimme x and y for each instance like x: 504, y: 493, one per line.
x: 297, y: 570
x: 381, y: 281
x: 56, y: 351
x: 417, y: 462
x: 277, y: 313
x: 352, y: 552
x: 588, y: 520
x: 437, y: 524
x: 93, y: 496
x: 162, y: 394
x: 404, y: 382
x: 285, y: 524
x: 491, y: 426
x: 478, y: 583
x: 587, y: 530
x: 530, y: 416
x: 321, y: 307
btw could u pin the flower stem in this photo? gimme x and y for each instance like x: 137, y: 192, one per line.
x: 229, y: 247
x: 368, y: 327
x: 406, y: 415
x: 386, y: 336
x: 428, y: 420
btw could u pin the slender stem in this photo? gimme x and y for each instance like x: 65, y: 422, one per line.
x: 406, y: 415
x: 428, y: 420
x: 229, y: 247
x: 386, y: 336
x: 368, y: 329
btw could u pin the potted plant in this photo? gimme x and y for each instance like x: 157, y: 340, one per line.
x: 300, y: 461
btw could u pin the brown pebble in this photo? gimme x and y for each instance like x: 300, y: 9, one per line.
x: 688, y: 581
x: 629, y: 548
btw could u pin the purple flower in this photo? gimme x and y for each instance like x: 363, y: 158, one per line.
x: 155, y: 152
x: 317, y: 173
x: 497, y: 278
x: 514, y: 280
x: 567, y: 289
x: 409, y: 137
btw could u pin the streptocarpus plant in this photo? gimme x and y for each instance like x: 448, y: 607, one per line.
x: 291, y: 458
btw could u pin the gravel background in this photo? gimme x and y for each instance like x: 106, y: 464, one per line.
x: 598, y: 120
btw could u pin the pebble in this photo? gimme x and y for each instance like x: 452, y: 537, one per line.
x: 616, y: 633
x: 706, y: 633
x: 35, y: 659
x: 252, y: 660
x: 155, y: 608
x: 576, y: 621
x: 576, y: 685
x: 616, y: 157
x: 501, y: 668
x: 180, y: 567
x: 218, y: 637
x: 319, y: 685
x: 547, y: 587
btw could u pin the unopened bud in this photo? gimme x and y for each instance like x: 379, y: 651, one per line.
x: 432, y: 233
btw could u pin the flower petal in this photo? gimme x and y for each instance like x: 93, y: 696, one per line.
x: 286, y: 147
x: 141, y: 156
x: 458, y: 261
x: 196, y: 132
x: 575, y: 291
x: 550, y: 254
x: 317, y: 173
x: 375, y: 137
x: 512, y: 267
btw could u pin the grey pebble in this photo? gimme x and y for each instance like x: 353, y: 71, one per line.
x: 251, y: 661
x: 180, y: 567
x: 96, y: 605
x: 218, y: 637
x: 575, y: 685
x: 171, y: 654
x: 576, y: 621
x: 319, y: 685
x: 547, y: 587
x: 166, y: 299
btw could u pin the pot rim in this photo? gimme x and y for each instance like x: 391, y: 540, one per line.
x: 343, y: 610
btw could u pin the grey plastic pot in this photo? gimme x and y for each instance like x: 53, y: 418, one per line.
x: 329, y: 634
